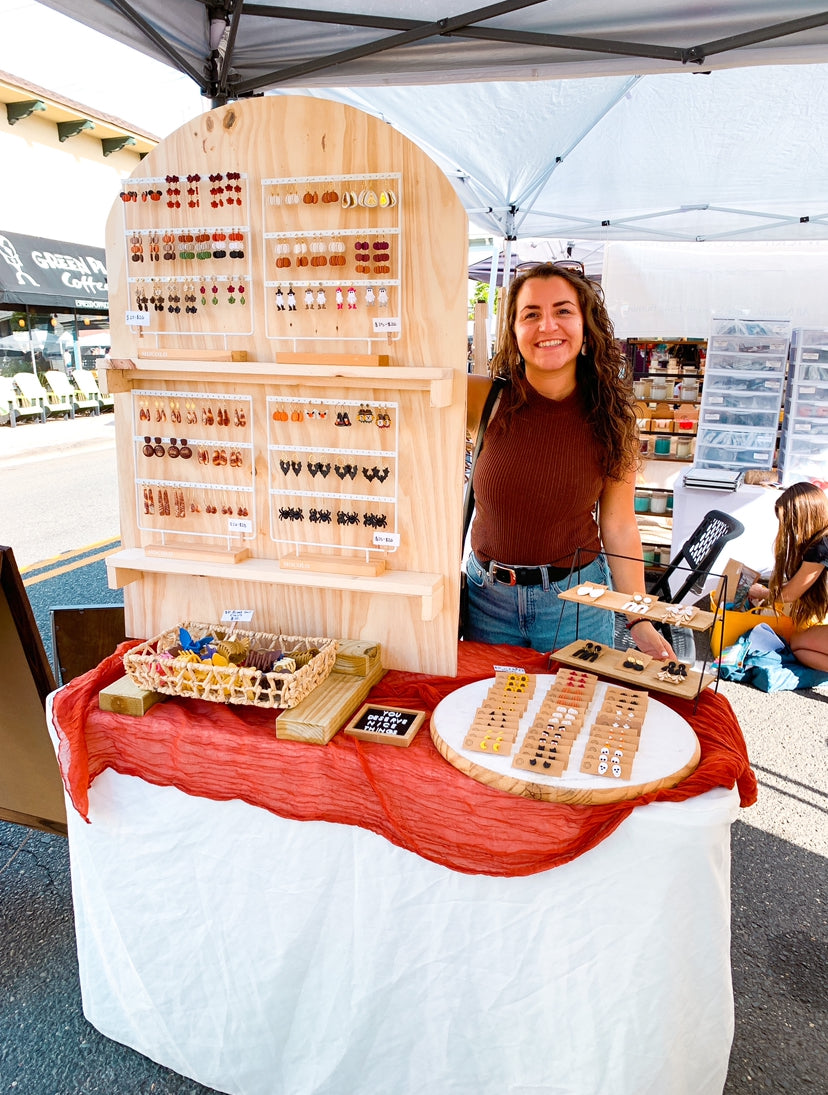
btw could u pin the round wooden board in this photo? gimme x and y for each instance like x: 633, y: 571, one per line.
x: 667, y: 753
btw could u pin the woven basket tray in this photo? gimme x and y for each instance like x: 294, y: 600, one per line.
x: 151, y: 668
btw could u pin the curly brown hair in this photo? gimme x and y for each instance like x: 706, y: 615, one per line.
x: 802, y: 512
x: 607, y: 396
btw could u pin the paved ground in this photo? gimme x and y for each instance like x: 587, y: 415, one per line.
x: 779, y: 914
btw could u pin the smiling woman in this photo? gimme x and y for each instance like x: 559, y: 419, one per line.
x: 560, y: 447
x: 549, y: 331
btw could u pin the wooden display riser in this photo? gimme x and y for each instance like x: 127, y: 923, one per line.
x: 610, y: 664
x: 326, y: 710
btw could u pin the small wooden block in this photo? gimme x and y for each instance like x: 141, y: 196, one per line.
x: 358, y: 360
x: 318, y: 717
x: 178, y: 353
x: 332, y: 564
x: 196, y: 554
x: 125, y: 697
x: 356, y: 656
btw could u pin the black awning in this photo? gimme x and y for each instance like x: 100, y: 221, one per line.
x: 51, y: 273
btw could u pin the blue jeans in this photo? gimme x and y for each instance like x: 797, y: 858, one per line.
x: 533, y: 615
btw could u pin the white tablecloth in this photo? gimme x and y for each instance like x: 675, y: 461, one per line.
x: 261, y: 956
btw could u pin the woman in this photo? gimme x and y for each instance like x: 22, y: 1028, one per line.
x: 562, y: 440
x: 800, y: 571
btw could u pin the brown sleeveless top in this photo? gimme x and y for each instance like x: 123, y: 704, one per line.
x: 536, y: 483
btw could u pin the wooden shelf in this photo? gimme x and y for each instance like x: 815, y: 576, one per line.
x: 610, y: 663
x: 122, y: 373
x: 658, y: 612
x: 129, y: 565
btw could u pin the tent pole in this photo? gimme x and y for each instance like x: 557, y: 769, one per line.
x: 497, y: 243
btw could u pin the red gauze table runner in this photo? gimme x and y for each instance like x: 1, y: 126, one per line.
x: 412, y: 797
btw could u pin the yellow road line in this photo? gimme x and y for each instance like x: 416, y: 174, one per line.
x: 70, y: 555
x: 66, y: 569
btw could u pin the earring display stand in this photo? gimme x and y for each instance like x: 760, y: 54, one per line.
x: 645, y: 672
x: 199, y: 486
x: 351, y: 305
x: 188, y: 253
x: 333, y: 482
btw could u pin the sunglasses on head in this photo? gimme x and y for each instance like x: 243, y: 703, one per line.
x: 524, y: 268
x: 564, y: 264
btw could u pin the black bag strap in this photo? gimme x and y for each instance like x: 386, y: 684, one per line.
x: 493, y: 395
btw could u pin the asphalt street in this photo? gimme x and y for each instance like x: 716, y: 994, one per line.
x: 779, y: 846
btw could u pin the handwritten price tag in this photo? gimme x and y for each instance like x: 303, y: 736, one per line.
x: 387, y: 539
x: 387, y: 325
x: 236, y: 524
x: 137, y: 319
x: 237, y: 615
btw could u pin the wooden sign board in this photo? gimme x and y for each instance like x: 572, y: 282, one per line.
x: 388, y: 725
x: 31, y: 792
x: 317, y: 325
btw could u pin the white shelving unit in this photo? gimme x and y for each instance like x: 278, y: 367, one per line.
x: 803, y: 447
x: 742, y: 396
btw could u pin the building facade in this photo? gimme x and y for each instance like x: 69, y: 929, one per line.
x: 62, y: 166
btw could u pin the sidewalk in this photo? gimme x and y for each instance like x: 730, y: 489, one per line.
x: 45, y: 440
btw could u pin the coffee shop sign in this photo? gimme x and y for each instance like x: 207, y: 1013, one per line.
x: 87, y: 274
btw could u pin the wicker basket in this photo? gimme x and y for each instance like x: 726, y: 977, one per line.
x: 151, y: 667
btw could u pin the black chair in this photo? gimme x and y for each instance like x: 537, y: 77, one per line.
x: 695, y: 559
x: 697, y: 555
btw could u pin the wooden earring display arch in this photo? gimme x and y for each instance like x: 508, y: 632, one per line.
x: 288, y: 311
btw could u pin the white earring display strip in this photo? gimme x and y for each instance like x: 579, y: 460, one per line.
x: 195, y: 510
x: 193, y: 306
x: 184, y: 197
x: 327, y: 200
x: 194, y: 463
x: 324, y: 493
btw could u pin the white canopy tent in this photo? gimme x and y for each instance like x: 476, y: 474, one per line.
x: 553, y: 120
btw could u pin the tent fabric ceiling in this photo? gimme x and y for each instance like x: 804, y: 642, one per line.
x: 644, y: 146
x: 234, y: 48
x: 668, y: 157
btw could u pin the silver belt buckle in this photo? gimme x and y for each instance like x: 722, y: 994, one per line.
x: 507, y: 570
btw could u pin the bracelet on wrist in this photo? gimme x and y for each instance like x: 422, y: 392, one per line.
x: 630, y: 624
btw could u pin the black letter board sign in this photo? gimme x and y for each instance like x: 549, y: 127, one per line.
x: 391, y: 725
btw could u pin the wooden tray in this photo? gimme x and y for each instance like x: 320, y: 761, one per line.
x: 658, y: 612
x: 668, y: 751
x: 611, y: 664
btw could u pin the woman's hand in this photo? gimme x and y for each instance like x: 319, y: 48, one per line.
x: 758, y: 594
x: 652, y: 642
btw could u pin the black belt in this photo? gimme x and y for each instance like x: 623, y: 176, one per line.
x: 527, y: 576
